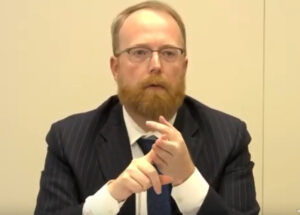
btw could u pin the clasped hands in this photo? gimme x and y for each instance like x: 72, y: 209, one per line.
x: 169, y: 154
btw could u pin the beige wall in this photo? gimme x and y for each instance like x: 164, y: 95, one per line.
x: 282, y: 104
x: 244, y: 60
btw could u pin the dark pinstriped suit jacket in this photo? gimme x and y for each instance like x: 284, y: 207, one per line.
x: 86, y: 150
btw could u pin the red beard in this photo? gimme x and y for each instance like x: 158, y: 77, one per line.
x: 153, y: 97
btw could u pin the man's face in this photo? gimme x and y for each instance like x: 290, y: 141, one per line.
x: 154, y: 86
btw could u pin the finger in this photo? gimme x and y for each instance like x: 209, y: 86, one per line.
x: 132, y: 185
x: 165, y: 179
x: 149, y: 170
x: 156, y: 160
x: 163, y: 120
x: 149, y: 156
x: 166, y: 145
x: 156, y: 126
x: 140, y: 178
x: 164, y: 137
x: 163, y: 154
x: 154, y: 178
x: 159, y: 163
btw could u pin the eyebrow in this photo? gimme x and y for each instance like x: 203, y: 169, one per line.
x: 144, y: 45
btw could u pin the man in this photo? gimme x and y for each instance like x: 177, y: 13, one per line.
x: 199, y: 162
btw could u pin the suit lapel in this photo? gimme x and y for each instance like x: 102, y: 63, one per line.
x: 114, y: 152
x: 190, y: 130
x: 112, y: 145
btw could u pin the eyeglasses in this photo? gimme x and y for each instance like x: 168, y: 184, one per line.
x: 140, y: 54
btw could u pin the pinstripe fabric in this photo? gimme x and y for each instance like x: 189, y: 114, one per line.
x: 84, y: 152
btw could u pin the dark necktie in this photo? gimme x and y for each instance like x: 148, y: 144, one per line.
x: 156, y: 204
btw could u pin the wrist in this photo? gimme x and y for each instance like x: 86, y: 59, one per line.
x: 115, y: 192
x: 189, y: 171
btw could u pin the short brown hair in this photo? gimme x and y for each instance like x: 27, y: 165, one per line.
x: 155, y: 5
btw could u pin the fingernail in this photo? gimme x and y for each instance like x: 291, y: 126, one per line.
x: 157, y: 191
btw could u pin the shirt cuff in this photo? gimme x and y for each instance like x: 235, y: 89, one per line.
x: 101, y: 203
x: 195, y: 185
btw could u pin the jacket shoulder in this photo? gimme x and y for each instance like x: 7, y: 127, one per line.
x: 206, y: 113
x: 94, y: 118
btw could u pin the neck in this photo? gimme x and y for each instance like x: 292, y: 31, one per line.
x: 138, y: 119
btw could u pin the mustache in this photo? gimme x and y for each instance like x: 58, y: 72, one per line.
x: 155, y: 80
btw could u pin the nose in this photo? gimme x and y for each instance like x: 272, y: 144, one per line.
x: 155, y: 63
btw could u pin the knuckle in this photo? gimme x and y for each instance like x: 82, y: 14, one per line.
x: 177, y: 147
x: 126, y: 177
x: 152, y: 172
x: 153, y: 175
x: 141, y: 187
x: 131, y: 167
x: 147, y: 184
x: 130, y: 171
x: 135, y: 161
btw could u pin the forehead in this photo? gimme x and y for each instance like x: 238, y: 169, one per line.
x: 149, y: 25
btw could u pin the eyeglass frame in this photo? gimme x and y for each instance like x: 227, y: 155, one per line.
x: 182, y: 52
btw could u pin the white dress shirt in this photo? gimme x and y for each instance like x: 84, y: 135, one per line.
x: 103, y: 203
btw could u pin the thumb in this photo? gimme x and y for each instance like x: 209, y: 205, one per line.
x: 150, y: 156
x: 165, y: 179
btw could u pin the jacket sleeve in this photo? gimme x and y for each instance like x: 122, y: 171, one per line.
x: 58, y: 192
x: 234, y: 194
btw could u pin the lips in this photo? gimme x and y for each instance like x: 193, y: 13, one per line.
x: 155, y: 83
x: 155, y: 86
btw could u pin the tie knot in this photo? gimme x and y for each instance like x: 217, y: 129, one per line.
x: 146, y: 143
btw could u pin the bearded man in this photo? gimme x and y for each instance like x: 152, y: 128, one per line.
x: 151, y: 149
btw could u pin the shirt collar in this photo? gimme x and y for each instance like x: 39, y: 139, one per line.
x: 134, y: 131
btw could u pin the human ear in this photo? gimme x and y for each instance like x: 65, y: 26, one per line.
x: 114, y: 67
